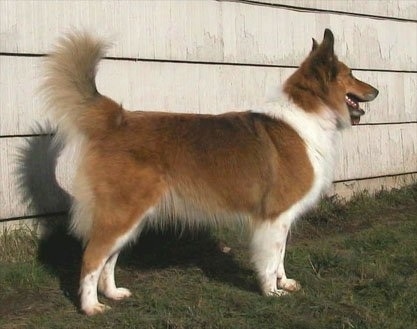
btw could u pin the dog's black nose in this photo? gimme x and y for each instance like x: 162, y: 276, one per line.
x: 372, y: 95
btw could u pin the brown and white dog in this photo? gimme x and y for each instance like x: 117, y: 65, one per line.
x: 266, y: 167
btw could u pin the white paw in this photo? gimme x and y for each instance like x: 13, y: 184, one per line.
x: 277, y: 293
x: 118, y: 293
x: 95, y: 309
x: 289, y: 285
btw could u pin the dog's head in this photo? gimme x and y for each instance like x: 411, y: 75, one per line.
x: 322, y: 78
x: 342, y: 91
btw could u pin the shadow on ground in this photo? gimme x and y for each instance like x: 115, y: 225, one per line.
x: 156, y: 250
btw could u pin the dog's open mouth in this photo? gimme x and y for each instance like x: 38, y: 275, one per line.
x: 354, y: 109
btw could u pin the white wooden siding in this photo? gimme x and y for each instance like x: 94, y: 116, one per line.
x: 403, y: 9
x: 184, y: 87
x: 208, y: 31
x: 371, y: 151
x: 210, y: 57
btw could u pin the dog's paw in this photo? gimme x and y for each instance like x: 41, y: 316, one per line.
x: 95, y: 309
x: 289, y: 285
x: 277, y: 293
x: 118, y: 294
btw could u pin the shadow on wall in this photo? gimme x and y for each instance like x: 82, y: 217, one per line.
x: 40, y: 191
x: 61, y: 253
x: 37, y: 160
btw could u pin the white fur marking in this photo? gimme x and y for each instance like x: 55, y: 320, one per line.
x: 88, y: 292
x: 267, y: 242
x: 107, y: 284
x: 319, y: 132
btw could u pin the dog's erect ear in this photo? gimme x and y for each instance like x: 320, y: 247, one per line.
x: 315, y: 45
x: 328, y: 42
x: 322, y: 56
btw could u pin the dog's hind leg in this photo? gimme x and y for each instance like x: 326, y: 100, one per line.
x: 100, y: 257
x: 95, y: 257
x: 118, y: 212
x: 107, y: 283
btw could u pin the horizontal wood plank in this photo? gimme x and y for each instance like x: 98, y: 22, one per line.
x: 371, y: 151
x: 208, y: 31
x: 28, y: 185
x: 185, y: 87
x: 403, y: 9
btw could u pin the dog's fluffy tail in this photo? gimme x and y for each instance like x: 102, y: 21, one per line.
x: 69, y: 87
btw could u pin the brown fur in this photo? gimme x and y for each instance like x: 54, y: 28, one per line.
x: 199, y: 154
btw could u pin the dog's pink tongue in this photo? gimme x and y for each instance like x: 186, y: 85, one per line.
x: 355, y: 115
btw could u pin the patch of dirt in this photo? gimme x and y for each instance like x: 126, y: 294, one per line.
x: 21, y: 303
x: 306, y: 231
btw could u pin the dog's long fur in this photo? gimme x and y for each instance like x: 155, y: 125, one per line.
x: 266, y: 167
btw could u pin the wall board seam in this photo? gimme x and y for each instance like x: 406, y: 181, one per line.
x: 321, y: 11
x: 177, y: 61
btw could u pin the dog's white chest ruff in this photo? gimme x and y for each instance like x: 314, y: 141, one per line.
x: 320, y: 137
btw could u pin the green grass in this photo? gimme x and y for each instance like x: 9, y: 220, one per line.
x: 356, y: 262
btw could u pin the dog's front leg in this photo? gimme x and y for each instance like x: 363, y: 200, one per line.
x: 268, y: 250
x: 282, y: 281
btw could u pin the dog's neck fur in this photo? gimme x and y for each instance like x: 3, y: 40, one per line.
x: 320, y: 132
